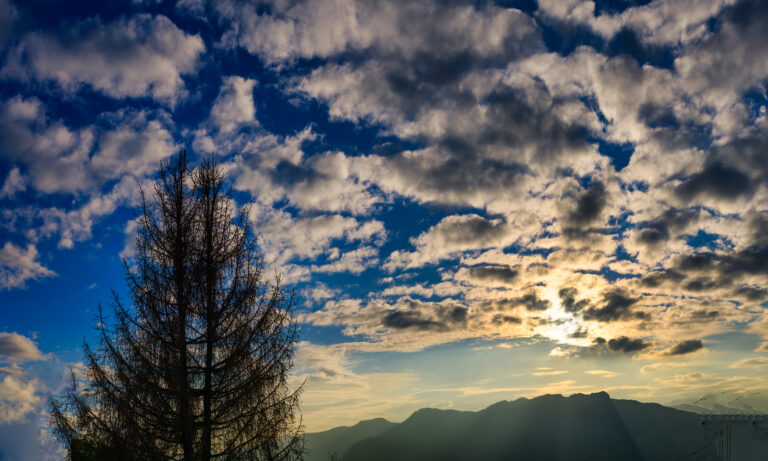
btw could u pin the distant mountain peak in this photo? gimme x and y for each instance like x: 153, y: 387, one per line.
x: 547, y: 427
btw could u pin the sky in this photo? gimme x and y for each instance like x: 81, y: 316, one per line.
x: 473, y: 201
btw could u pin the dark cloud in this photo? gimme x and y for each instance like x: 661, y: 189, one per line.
x: 569, y: 302
x: 589, y: 205
x: 500, y: 319
x: 424, y: 316
x: 496, y: 274
x: 703, y: 284
x: 660, y: 230
x: 532, y: 302
x: 615, y: 305
x: 686, y: 347
x: 752, y: 293
x: 704, y: 315
x: 655, y: 115
x: 514, y: 122
x: 716, y: 180
x: 17, y: 348
x: 627, y: 345
x: 402, y: 320
x: 721, y: 269
x: 658, y: 278
x: 583, y: 333
x: 469, y: 229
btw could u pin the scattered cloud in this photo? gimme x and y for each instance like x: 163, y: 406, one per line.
x: 16, y: 348
x: 18, y: 265
x: 139, y: 56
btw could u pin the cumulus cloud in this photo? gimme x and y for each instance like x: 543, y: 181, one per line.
x: 627, y: 345
x: 311, y: 29
x: 60, y: 159
x: 18, y: 399
x: 138, y: 56
x: 15, y: 182
x: 657, y: 23
x: 492, y: 275
x: 615, y: 305
x: 234, y: 104
x: 686, y: 347
x: 18, y: 265
x: 284, y: 236
x: 17, y: 348
x: 450, y: 237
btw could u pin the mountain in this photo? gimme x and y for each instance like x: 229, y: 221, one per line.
x: 321, y: 445
x: 550, y: 427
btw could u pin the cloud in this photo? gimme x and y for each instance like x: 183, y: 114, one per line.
x: 757, y: 362
x: 7, y: 22
x: 15, y: 182
x: 354, y: 261
x: 569, y: 302
x: 284, y: 237
x: 18, y: 399
x: 140, y: 56
x: 716, y: 180
x: 450, y: 237
x: 615, y: 305
x: 660, y: 367
x: 589, y: 205
x: 656, y: 23
x: 669, y: 224
x: 627, y: 345
x: 532, y: 302
x: 17, y: 348
x: 308, y: 29
x: 18, y: 265
x: 63, y: 160
x: 489, y: 275
x: 550, y: 373
x: 234, y: 104
x: 603, y: 373
x: 686, y: 347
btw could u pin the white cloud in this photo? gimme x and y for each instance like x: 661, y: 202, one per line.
x: 15, y: 182
x: 18, y: 399
x: 18, y: 265
x: 234, y: 105
x: 755, y: 362
x: 326, y: 27
x: 284, y: 237
x: 60, y: 159
x: 659, y: 22
x: 450, y: 237
x: 131, y: 57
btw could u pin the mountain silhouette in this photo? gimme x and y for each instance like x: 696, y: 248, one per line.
x: 321, y: 445
x: 549, y: 427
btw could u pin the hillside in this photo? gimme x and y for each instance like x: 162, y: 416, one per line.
x: 550, y: 427
x: 321, y: 445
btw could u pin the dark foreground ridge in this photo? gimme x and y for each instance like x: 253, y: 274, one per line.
x: 550, y: 427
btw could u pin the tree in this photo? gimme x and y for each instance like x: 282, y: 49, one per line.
x: 196, y: 368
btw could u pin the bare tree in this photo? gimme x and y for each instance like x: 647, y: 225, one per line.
x: 196, y: 367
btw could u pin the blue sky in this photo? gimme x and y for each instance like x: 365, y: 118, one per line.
x: 474, y: 201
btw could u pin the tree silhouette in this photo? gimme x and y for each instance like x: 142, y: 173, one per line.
x: 196, y: 367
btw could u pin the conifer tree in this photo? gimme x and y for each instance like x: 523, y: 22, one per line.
x: 196, y: 367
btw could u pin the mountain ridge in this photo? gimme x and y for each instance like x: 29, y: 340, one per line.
x: 551, y: 426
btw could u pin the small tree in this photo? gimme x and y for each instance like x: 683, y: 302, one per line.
x: 196, y: 367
